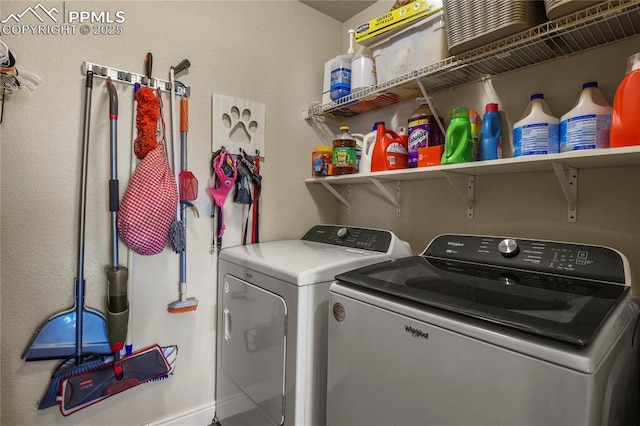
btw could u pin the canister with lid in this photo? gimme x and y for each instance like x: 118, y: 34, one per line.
x: 322, y: 161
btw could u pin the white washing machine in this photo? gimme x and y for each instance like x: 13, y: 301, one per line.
x: 272, y: 322
x: 486, y: 331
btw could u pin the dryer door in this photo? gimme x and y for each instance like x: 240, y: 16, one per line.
x: 254, y: 324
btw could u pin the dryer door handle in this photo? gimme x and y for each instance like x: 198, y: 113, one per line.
x: 226, y: 324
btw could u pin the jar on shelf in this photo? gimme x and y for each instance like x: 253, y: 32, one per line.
x: 322, y: 161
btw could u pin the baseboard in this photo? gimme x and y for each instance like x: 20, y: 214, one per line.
x: 196, y: 416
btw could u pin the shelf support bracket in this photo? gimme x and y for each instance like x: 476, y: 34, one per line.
x: 569, y: 184
x: 394, y: 199
x: 345, y: 201
x: 469, y: 196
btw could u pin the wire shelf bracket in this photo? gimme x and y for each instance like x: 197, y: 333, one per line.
x: 569, y: 185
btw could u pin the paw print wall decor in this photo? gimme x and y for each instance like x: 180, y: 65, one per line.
x: 238, y: 123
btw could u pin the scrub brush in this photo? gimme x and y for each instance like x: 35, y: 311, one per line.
x: 184, y: 304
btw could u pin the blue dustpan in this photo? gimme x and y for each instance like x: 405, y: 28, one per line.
x: 78, y: 330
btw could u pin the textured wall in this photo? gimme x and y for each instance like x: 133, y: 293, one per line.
x: 266, y: 51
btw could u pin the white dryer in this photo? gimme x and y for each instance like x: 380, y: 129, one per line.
x: 272, y: 322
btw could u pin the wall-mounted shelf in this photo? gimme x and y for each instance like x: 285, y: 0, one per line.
x: 564, y: 165
x: 596, y: 26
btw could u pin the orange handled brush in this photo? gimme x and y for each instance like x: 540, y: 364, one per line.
x: 188, y: 192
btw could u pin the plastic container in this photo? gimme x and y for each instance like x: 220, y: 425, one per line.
x: 476, y: 121
x: 458, y: 143
x: 322, y: 161
x: 625, y: 118
x: 490, y: 134
x: 538, y: 131
x: 423, y: 131
x: 363, y: 70
x: 389, y: 153
x: 587, y: 125
x: 340, y: 77
x: 340, y: 84
x: 416, y: 46
x: 368, y: 142
x: 344, y: 153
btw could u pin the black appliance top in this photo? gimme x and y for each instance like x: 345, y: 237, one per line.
x: 554, y: 290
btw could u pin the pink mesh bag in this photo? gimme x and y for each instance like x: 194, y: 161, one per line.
x: 149, y: 205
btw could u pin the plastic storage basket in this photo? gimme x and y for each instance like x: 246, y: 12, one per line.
x: 474, y: 23
x: 558, y: 8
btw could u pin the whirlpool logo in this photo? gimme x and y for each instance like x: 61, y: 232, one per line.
x: 416, y: 332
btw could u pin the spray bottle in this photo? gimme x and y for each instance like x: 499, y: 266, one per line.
x: 341, y: 72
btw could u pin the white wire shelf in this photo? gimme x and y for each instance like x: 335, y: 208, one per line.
x: 593, y: 27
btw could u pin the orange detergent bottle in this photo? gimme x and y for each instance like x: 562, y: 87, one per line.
x: 389, y: 151
x: 625, y: 117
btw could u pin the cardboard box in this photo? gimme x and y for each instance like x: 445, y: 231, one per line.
x: 393, y: 21
x: 413, y: 47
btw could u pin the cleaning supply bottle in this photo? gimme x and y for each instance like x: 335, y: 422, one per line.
x: 423, y: 131
x: 341, y: 72
x: 490, y: 134
x: 587, y: 125
x: 625, y: 118
x: 458, y: 142
x: 322, y: 161
x: 388, y: 151
x: 476, y: 122
x: 363, y: 70
x: 344, y: 153
x: 538, y: 131
x: 368, y: 142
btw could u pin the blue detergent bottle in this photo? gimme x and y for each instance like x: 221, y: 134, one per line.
x: 490, y: 134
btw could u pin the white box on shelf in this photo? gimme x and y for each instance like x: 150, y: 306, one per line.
x: 418, y: 45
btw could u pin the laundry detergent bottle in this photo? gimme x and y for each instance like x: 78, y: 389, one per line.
x: 490, y: 134
x: 423, y: 131
x: 625, y: 118
x: 368, y: 142
x: 588, y: 124
x: 458, y: 143
x: 389, y: 151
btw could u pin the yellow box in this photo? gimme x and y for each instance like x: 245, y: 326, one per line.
x: 391, y: 22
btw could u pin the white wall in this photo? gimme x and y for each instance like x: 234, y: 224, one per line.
x: 270, y: 52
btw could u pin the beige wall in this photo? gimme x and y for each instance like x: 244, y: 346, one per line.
x: 266, y: 51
